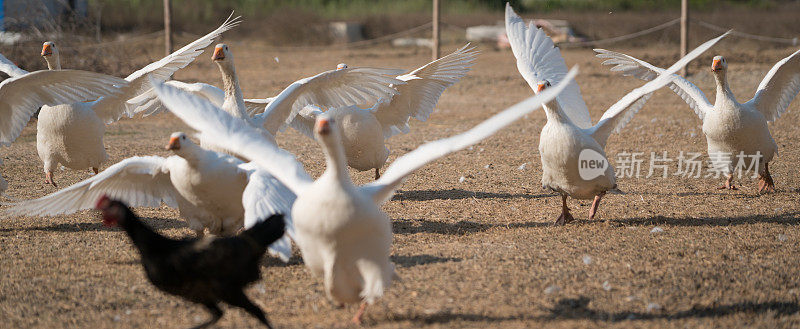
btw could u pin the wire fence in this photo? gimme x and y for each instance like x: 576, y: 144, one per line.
x: 427, y: 26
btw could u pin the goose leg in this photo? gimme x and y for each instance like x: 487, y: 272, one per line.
x: 359, y: 314
x: 765, y: 183
x: 595, y: 204
x: 565, y: 216
x: 728, y: 184
x: 377, y: 173
x: 48, y: 178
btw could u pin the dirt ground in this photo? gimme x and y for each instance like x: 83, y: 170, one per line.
x: 476, y: 251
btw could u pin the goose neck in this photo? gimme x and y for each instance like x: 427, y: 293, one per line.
x: 724, y: 93
x: 234, y: 100
x: 335, y: 160
x: 554, y: 112
x: 53, y: 62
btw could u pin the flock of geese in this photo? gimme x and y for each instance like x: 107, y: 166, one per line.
x: 237, y: 175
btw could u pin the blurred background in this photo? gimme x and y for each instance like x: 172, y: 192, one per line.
x: 120, y: 27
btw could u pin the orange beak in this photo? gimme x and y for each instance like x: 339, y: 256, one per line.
x: 47, y: 50
x: 540, y: 87
x: 323, y: 127
x: 218, y: 54
x: 174, y: 144
x: 715, y: 65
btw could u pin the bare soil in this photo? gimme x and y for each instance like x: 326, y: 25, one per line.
x: 475, y: 252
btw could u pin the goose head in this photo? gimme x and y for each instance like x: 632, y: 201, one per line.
x: 325, y: 129
x: 222, y: 56
x: 341, y: 66
x: 552, y: 109
x: 51, y: 55
x: 542, y: 85
x: 719, y: 64
x: 180, y: 144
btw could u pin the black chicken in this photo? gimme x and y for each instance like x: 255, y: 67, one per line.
x: 205, y: 271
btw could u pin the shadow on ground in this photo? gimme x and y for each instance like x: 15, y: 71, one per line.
x: 454, y: 194
x: 410, y: 261
x: 790, y: 218
x: 577, y: 309
x: 97, y: 225
x: 412, y: 226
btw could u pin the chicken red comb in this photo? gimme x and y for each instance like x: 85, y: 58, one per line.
x: 102, y: 202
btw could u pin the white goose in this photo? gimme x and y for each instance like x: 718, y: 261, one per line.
x: 24, y: 92
x: 343, y: 235
x: 568, y: 137
x: 212, y: 191
x: 364, y: 131
x: 332, y: 88
x: 71, y: 134
x: 734, y: 131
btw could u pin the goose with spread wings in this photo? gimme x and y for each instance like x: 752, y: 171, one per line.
x: 71, y: 134
x: 335, y: 88
x: 365, y: 130
x: 569, y: 143
x: 737, y: 133
x: 343, y: 235
x: 25, y: 92
x: 212, y: 191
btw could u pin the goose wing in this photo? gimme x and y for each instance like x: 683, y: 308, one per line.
x: 539, y: 59
x: 779, y: 88
x: 619, y: 114
x: 382, y: 189
x: 137, y: 181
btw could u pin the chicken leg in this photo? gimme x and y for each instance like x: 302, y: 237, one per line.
x: 216, y: 314
x: 239, y: 299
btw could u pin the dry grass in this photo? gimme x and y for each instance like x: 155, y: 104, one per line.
x: 474, y: 254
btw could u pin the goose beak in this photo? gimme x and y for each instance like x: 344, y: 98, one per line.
x: 715, y: 65
x: 174, y: 144
x: 323, y: 127
x: 218, y: 54
x: 540, y: 87
x: 47, y: 50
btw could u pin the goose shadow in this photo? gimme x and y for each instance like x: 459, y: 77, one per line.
x: 445, y: 317
x: 578, y: 309
x: 463, y: 227
x: 411, y: 261
x: 732, y: 194
x: 97, y: 226
x: 790, y: 219
x: 457, y: 194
